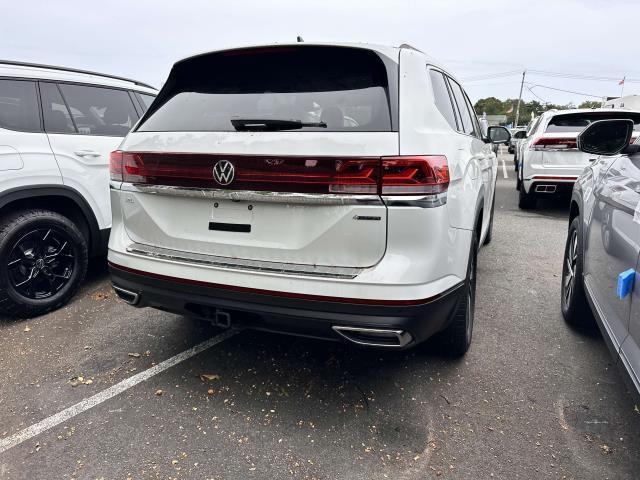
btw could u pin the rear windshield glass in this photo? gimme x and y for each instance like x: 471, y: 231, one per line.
x: 288, y: 88
x: 576, y: 122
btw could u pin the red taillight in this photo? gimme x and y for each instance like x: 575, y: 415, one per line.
x: 257, y: 173
x: 554, y: 143
x: 115, y: 165
x: 407, y: 175
x: 414, y: 175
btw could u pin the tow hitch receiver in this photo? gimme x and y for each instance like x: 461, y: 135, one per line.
x: 222, y: 319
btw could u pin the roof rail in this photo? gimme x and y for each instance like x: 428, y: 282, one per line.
x: 406, y: 45
x: 74, y: 70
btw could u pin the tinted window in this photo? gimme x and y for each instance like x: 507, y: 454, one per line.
x: 576, y: 122
x: 467, y: 122
x: 329, y: 89
x: 19, y: 106
x: 55, y: 112
x: 442, y: 98
x: 147, y: 100
x: 520, y: 134
x: 474, y: 118
x: 100, y: 111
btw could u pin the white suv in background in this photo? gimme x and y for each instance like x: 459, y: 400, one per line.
x: 57, y: 128
x: 341, y: 193
x: 549, y: 161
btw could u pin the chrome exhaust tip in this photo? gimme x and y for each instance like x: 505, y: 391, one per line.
x: 132, y: 298
x: 374, y: 337
x: 545, y: 188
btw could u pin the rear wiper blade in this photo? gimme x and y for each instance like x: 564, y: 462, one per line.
x: 271, y: 125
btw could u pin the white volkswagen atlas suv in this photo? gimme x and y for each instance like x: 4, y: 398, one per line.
x: 57, y: 128
x: 334, y: 191
x: 549, y: 159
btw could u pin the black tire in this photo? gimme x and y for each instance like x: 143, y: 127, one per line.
x: 518, y: 184
x: 44, y: 260
x: 526, y: 201
x: 575, y: 309
x: 489, y: 236
x: 457, y: 336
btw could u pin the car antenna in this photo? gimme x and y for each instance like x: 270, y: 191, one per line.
x: 300, y: 39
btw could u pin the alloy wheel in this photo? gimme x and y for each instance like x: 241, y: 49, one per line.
x: 571, y: 260
x: 41, y: 263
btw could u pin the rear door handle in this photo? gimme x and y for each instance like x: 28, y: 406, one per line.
x: 87, y: 153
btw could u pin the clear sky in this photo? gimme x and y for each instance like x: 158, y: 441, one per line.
x: 473, y: 38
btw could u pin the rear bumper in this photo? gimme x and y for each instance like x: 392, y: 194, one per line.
x: 412, y: 321
x: 547, y: 185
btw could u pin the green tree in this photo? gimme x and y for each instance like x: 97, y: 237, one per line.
x: 508, y: 107
x: 590, y: 104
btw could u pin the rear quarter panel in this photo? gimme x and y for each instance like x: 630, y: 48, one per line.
x: 424, y: 131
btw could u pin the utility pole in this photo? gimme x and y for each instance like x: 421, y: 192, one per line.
x: 519, y: 100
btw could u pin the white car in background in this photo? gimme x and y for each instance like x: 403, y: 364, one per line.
x: 342, y: 193
x: 549, y: 161
x: 57, y: 128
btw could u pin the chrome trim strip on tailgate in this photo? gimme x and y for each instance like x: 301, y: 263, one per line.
x: 243, y: 264
x: 253, y: 196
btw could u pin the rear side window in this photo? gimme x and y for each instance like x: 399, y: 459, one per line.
x: 100, y: 111
x: 19, y: 106
x: 311, y: 88
x: 467, y: 121
x: 145, y: 99
x: 576, y: 122
x: 442, y: 97
x: 55, y: 112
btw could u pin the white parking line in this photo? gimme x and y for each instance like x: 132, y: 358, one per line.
x: 118, y: 388
x: 504, y: 168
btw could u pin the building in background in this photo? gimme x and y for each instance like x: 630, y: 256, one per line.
x: 628, y: 101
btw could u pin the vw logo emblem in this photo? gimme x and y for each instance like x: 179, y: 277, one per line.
x: 224, y: 172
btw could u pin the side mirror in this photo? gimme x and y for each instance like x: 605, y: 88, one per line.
x: 606, y: 137
x: 498, y: 135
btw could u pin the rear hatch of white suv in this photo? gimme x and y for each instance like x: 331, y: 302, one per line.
x: 270, y: 154
x: 558, y: 142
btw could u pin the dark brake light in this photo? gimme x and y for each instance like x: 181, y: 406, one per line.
x: 414, y: 175
x: 555, y: 143
x: 403, y: 175
x: 115, y: 166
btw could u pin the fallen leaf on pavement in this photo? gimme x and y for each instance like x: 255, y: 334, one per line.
x: 207, y: 377
x: 27, y: 328
x: 159, y: 392
x: 134, y: 355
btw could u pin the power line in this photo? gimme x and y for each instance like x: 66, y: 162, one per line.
x: 535, y: 94
x: 545, y: 73
x: 491, y: 76
x: 533, y: 85
x: 577, y: 76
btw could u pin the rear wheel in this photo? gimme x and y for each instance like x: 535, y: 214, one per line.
x: 526, y: 201
x: 457, y: 336
x: 575, y: 308
x: 43, y: 260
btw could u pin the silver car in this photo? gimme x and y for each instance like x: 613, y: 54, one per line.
x: 603, y: 243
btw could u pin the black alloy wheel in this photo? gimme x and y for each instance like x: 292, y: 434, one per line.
x: 43, y: 260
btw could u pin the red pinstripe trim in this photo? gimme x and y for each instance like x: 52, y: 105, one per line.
x: 302, y: 296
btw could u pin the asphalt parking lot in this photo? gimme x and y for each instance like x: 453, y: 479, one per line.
x: 531, y: 399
